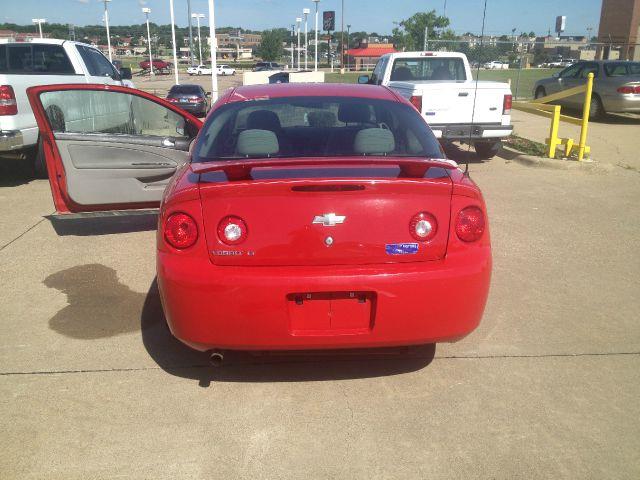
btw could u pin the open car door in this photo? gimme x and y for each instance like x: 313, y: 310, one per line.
x: 109, y: 147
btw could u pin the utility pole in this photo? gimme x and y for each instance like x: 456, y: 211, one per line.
x: 348, y: 43
x: 147, y: 11
x: 106, y: 23
x: 315, y: 57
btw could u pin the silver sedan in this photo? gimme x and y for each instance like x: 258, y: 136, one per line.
x: 616, y: 86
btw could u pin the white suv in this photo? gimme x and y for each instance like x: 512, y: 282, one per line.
x: 43, y: 62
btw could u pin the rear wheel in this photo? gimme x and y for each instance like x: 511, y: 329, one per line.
x: 35, y: 156
x: 487, y: 150
x: 540, y: 92
x: 596, y: 110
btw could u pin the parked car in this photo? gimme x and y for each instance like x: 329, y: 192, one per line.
x: 191, y: 98
x: 496, y: 65
x: 159, y: 65
x: 199, y: 70
x: 440, y: 85
x: 42, y: 62
x: 271, y: 232
x: 266, y: 66
x: 616, y: 86
x: 280, y: 77
x: 225, y: 70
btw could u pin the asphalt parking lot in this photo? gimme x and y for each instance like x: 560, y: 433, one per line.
x: 92, y: 385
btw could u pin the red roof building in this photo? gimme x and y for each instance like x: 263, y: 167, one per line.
x: 366, y: 55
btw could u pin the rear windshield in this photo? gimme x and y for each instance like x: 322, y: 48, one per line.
x: 428, y: 68
x: 622, y: 69
x: 188, y: 89
x: 315, y: 127
x: 33, y: 59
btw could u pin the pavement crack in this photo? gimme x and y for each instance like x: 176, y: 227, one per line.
x: 23, y: 233
x: 169, y: 368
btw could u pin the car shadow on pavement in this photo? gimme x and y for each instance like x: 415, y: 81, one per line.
x: 179, y: 360
x: 15, y: 170
x: 85, y: 225
x: 461, y: 153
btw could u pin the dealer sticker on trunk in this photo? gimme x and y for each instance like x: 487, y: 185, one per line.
x: 401, y: 248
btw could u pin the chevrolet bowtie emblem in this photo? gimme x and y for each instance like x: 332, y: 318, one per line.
x: 329, y: 219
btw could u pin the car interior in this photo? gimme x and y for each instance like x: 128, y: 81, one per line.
x: 318, y: 128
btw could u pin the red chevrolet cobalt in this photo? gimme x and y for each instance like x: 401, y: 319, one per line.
x: 298, y: 216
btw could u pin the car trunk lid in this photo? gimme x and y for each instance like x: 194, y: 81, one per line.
x: 345, y: 216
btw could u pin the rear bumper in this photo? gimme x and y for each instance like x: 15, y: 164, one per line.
x: 11, y: 140
x: 197, y: 108
x: 474, y: 132
x: 249, y: 308
x: 628, y: 103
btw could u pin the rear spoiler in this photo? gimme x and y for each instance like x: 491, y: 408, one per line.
x: 241, y: 169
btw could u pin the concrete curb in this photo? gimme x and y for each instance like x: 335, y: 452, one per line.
x: 510, y: 154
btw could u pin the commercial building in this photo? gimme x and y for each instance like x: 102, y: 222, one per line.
x: 365, y: 56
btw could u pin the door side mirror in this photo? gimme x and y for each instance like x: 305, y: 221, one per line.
x: 363, y: 79
x: 125, y: 73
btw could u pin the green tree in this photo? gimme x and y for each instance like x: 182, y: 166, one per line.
x: 409, y: 34
x: 271, y: 46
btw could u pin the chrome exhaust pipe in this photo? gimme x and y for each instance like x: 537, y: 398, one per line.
x: 216, y: 358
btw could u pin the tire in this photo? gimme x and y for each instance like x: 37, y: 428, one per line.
x: 35, y: 156
x: 199, y: 72
x: 596, y: 110
x: 487, y: 150
x: 540, y: 92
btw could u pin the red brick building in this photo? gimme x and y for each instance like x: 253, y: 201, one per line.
x: 620, y: 27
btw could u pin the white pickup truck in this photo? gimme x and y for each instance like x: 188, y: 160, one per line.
x: 43, y: 62
x: 441, y: 87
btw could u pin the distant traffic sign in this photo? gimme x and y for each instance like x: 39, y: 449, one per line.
x: 329, y: 21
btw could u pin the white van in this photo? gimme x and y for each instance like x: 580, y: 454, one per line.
x: 43, y: 62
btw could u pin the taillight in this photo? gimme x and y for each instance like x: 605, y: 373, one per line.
x: 416, y: 101
x: 506, y: 105
x: 423, y: 226
x: 173, y: 100
x: 470, y: 224
x: 8, y: 105
x: 232, y: 230
x: 180, y: 230
x: 629, y: 89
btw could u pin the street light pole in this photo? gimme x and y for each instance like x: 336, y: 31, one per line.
x: 198, y: 16
x: 348, y: 43
x: 190, y: 32
x: 106, y: 23
x: 298, y: 21
x: 305, y: 12
x: 147, y: 11
x: 293, y: 34
x: 315, y: 56
x: 173, y: 37
x: 214, y: 46
x: 342, y: 38
x: 39, y: 21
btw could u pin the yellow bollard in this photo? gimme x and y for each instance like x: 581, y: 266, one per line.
x: 585, y: 117
x: 554, y: 141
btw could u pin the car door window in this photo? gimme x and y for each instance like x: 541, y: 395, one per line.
x: 97, y: 64
x: 572, y: 71
x: 587, y: 69
x: 376, y: 75
x: 109, y: 112
x: 37, y: 59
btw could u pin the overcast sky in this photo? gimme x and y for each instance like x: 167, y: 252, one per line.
x: 371, y: 15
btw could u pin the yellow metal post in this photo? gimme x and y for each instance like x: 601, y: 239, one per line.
x: 585, y: 117
x: 554, y: 141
